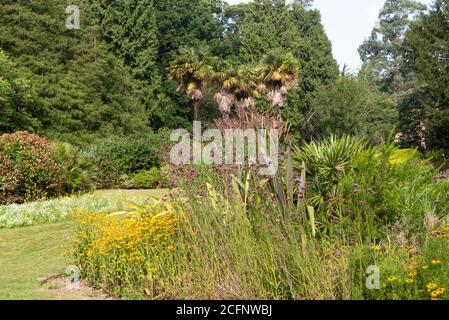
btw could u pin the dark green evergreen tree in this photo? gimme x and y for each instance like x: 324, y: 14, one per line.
x: 19, y: 109
x: 426, y: 55
x: 85, y: 91
x: 318, y: 66
x: 131, y: 27
x: 267, y: 25
x: 232, y: 20
x: 183, y: 23
x: 272, y: 24
x: 187, y: 23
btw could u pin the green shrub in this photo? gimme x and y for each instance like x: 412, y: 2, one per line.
x: 352, y: 106
x: 117, y: 156
x: 32, y: 167
x: 149, y: 179
x: 124, y: 181
x: 439, y: 158
x: 77, y: 167
x: 29, y: 169
x: 400, y: 156
x: 366, y: 188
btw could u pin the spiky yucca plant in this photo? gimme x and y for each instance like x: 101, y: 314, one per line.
x: 327, y: 161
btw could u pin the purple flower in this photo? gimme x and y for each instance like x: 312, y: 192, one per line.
x: 437, y: 202
x: 335, y: 220
x: 356, y: 191
x: 442, y: 176
x: 356, y: 185
x: 191, y: 174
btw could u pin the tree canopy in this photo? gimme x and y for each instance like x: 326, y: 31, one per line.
x: 83, y: 90
x: 126, y: 71
x: 426, y: 55
x: 381, y: 52
x: 18, y: 106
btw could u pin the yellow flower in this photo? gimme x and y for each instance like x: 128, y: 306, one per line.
x: 440, y: 291
x: 376, y: 248
x: 434, y: 295
x: 413, y: 266
x: 392, y: 279
x: 431, y: 286
x: 409, y: 281
x: 412, y: 274
x: 436, y: 262
x: 153, y: 270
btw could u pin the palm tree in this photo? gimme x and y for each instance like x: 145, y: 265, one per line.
x: 192, y: 69
x: 245, y: 88
x: 237, y: 87
x: 279, y: 73
x: 224, y: 78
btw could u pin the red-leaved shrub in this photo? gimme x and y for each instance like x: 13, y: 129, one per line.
x: 28, y: 168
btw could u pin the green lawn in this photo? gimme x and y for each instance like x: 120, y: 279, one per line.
x: 57, y: 210
x: 30, y: 255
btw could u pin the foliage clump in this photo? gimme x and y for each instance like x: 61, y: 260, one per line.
x: 333, y: 209
x: 116, y: 157
x: 121, y: 253
x: 28, y: 168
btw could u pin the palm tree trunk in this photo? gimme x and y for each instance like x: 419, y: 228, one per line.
x: 196, y: 110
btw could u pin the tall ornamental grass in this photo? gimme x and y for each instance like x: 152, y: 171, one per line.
x: 334, y: 210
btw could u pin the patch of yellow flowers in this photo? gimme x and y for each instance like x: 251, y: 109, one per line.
x: 434, y: 291
x: 127, y: 239
x: 441, y: 234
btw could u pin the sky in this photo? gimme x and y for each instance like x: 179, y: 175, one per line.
x: 348, y: 23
